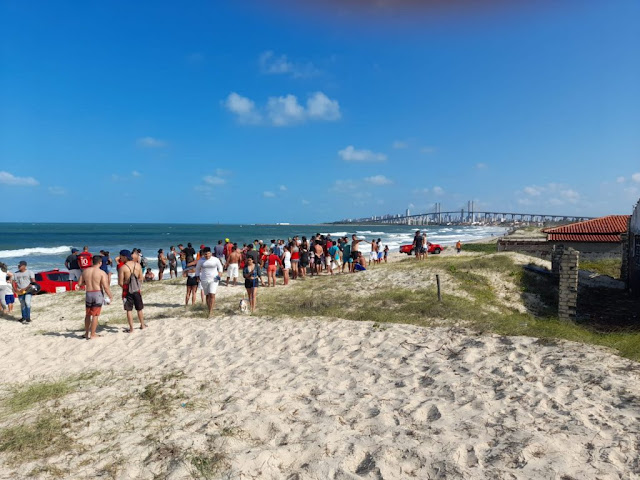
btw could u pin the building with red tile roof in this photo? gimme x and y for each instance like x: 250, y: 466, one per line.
x: 598, y: 230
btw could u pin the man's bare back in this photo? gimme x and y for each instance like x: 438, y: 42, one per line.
x: 95, y: 280
x: 125, y: 272
x: 235, y: 257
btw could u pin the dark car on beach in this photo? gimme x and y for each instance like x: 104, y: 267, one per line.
x: 433, y: 248
x: 55, y: 281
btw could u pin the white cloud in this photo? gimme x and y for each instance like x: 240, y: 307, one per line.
x: 411, y: 205
x: 620, y: 179
x: 551, y: 194
x: 220, y: 172
x: 8, y: 179
x: 427, y: 150
x: 481, y: 166
x: 421, y: 191
x: 321, y: 107
x: 272, y: 64
x: 398, y: 144
x: 136, y: 173
x: 268, y: 194
x: 284, y: 110
x: 150, y: 142
x: 244, y: 108
x: 636, y: 177
x: 351, y: 154
x: 570, y: 195
x: 438, y: 190
x: 378, y: 180
x: 282, y: 188
x: 57, y: 191
x: 305, y: 202
x: 342, y: 186
x: 214, y: 180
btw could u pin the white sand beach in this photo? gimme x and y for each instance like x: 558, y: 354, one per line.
x: 237, y: 396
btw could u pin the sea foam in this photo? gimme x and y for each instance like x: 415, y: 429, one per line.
x: 35, y: 251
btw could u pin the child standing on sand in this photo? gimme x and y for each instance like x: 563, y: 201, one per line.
x: 458, y: 246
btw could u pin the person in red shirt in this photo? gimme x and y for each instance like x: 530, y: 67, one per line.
x: 272, y: 261
x: 85, y: 259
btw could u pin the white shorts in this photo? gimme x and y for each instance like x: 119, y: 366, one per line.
x: 209, y: 288
x: 75, y: 274
x: 232, y: 270
x: 373, y: 256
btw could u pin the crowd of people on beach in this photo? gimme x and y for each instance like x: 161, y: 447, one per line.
x: 204, y: 271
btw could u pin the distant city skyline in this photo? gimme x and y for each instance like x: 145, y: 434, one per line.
x: 247, y: 113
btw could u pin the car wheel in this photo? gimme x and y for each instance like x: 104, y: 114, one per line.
x: 437, y: 251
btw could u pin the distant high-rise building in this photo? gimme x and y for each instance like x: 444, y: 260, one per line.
x: 408, y: 213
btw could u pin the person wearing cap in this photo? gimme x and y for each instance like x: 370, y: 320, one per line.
x: 21, y: 280
x: 227, y: 249
x: 74, y: 267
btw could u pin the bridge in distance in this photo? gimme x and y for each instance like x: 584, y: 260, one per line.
x: 462, y: 217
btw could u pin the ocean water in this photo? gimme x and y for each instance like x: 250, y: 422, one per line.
x: 46, y: 245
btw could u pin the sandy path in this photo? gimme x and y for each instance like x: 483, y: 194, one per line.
x: 316, y: 399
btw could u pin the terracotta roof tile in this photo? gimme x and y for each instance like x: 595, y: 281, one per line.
x: 604, y: 229
x: 565, y: 237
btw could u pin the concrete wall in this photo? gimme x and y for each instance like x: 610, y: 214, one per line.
x: 543, y: 249
x: 633, y: 254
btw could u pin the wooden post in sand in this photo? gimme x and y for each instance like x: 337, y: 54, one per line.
x: 438, y: 283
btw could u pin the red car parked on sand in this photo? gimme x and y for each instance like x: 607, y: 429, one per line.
x: 55, y: 281
x: 433, y: 248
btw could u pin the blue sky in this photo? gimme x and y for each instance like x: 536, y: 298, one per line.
x: 216, y: 112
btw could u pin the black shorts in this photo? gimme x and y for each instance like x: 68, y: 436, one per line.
x: 192, y: 281
x: 317, y: 260
x: 355, y: 255
x: 133, y: 300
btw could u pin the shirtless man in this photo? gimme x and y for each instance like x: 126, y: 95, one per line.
x: 97, y: 284
x: 130, y: 278
x: 233, y: 265
x: 355, y: 249
x: 373, y: 256
x: 318, y: 249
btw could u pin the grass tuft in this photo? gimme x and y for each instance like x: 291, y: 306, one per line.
x: 43, y: 438
x: 480, y: 247
x: 207, y: 466
x: 610, y: 266
x: 24, y: 397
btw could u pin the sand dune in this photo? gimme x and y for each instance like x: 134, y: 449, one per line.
x: 246, y: 397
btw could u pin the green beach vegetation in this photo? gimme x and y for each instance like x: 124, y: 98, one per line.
x: 488, y: 288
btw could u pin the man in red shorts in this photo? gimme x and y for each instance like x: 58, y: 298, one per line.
x: 97, y: 285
